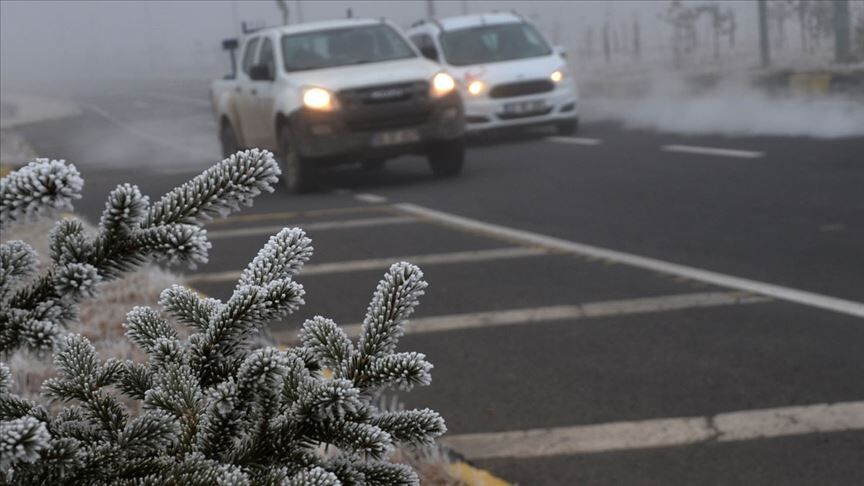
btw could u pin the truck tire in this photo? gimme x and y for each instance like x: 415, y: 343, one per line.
x: 228, y: 140
x: 299, y: 174
x: 447, y: 157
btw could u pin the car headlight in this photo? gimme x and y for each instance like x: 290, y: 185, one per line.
x: 476, y: 87
x: 442, y: 84
x: 557, y: 75
x: 319, y: 99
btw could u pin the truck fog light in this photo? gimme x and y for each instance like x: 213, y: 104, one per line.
x: 476, y: 87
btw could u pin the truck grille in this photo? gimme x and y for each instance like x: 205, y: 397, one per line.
x: 386, y: 106
x: 521, y: 88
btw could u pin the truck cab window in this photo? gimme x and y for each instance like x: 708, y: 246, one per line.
x: 249, y: 54
x: 266, y: 58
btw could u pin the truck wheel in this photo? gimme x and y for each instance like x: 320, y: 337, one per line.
x: 228, y: 139
x: 298, y: 173
x: 447, y: 157
x: 569, y: 127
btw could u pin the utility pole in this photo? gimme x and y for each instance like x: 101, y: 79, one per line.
x: 763, y: 33
x: 464, y: 7
x: 841, y: 31
x: 300, y: 11
x: 430, y: 9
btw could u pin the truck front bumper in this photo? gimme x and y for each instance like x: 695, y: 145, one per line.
x: 375, y: 133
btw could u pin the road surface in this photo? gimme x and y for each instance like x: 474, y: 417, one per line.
x: 621, y: 307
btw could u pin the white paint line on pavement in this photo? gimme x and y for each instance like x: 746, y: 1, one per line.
x: 512, y: 317
x: 811, y: 299
x: 575, y: 140
x: 384, y: 263
x: 370, y: 198
x: 667, y: 432
x: 310, y: 227
x: 692, y: 149
x: 147, y: 136
x: 202, y: 102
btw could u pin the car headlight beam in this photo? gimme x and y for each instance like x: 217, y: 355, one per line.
x: 557, y: 76
x: 442, y: 84
x: 476, y: 87
x: 318, y: 99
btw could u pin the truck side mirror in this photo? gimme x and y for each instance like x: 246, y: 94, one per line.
x: 260, y: 72
x: 561, y: 51
x: 429, y: 52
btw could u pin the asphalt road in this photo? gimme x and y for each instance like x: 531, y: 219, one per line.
x: 555, y: 365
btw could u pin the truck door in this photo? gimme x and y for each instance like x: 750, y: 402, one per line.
x: 243, y: 93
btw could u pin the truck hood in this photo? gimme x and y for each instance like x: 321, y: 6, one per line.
x: 509, y: 71
x: 359, y: 75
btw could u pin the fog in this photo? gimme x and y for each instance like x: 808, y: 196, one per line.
x: 75, y: 48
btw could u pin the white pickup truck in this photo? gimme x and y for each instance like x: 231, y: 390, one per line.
x: 327, y: 93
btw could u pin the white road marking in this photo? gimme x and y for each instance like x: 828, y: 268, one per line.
x: 202, y: 102
x: 310, y: 227
x: 811, y: 299
x: 384, y: 263
x: 645, y: 434
x: 370, y: 198
x: 575, y: 140
x: 692, y: 149
x: 512, y: 317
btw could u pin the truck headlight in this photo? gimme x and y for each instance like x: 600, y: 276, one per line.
x: 319, y: 99
x: 557, y: 75
x: 442, y: 84
x: 476, y: 87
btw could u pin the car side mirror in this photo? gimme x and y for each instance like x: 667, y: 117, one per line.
x: 260, y: 72
x: 429, y: 52
x: 561, y: 51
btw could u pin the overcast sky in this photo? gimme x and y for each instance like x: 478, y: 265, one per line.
x: 77, y: 39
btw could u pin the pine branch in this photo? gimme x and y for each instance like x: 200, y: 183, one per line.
x: 37, y: 190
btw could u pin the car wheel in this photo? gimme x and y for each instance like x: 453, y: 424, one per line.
x: 447, y: 157
x: 298, y: 173
x: 569, y: 127
x: 228, y: 140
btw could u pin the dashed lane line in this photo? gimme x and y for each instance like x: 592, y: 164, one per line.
x: 384, y: 263
x: 692, y: 149
x: 309, y: 227
x: 370, y: 198
x: 575, y: 140
x: 803, y: 297
x: 511, y: 317
x: 665, y: 432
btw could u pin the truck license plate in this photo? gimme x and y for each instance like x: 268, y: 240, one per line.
x: 524, y: 107
x: 395, y: 137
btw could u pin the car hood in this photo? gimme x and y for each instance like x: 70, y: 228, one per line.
x: 509, y: 71
x: 359, y: 75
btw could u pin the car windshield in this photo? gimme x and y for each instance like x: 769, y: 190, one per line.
x: 492, y: 43
x: 342, y: 47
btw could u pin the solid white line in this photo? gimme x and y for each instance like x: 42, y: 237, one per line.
x: 691, y: 149
x: 309, y: 227
x: 384, y: 263
x: 475, y: 320
x: 202, y: 102
x: 529, y: 238
x: 645, y: 434
x: 575, y: 140
x: 370, y: 198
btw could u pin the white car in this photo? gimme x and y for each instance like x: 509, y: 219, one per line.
x: 326, y: 93
x: 508, y: 73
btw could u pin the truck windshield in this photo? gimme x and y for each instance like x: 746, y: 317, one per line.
x: 342, y: 47
x: 492, y: 43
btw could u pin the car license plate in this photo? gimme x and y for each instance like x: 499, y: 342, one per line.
x: 524, y: 107
x: 395, y: 137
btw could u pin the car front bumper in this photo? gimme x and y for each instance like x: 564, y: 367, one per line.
x: 341, y: 136
x: 484, y: 113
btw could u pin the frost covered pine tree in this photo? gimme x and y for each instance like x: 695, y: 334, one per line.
x: 131, y: 232
x: 216, y: 410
